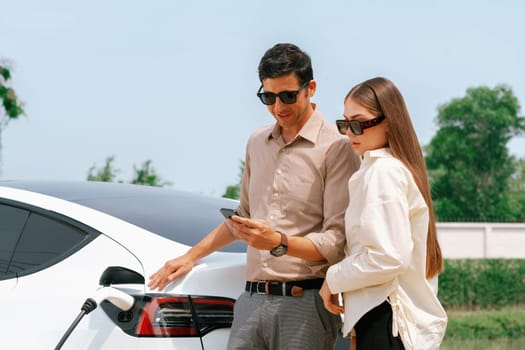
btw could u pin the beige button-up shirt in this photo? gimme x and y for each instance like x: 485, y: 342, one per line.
x: 299, y: 188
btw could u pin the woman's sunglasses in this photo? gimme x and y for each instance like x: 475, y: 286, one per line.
x: 356, y: 126
x: 287, y: 97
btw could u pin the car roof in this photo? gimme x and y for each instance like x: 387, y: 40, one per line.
x: 181, y: 216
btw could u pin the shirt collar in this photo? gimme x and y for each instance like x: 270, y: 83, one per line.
x: 309, y: 131
x: 378, y: 153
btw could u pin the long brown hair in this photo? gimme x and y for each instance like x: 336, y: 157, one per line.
x: 381, y: 97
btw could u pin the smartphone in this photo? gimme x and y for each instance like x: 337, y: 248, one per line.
x: 228, y: 212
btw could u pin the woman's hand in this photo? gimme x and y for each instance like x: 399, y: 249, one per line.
x: 330, y: 301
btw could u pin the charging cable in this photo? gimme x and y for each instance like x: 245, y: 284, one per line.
x: 117, y: 297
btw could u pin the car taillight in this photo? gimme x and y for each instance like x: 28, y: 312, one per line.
x: 162, y: 315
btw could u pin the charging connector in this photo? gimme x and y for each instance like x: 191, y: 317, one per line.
x: 117, y: 297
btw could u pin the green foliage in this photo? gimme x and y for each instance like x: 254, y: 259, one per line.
x: 5, y: 73
x: 485, y: 303
x: 468, y: 161
x: 517, y: 190
x: 474, y: 284
x: 105, y: 174
x: 484, y: 344
x: 234, y: 191
x: 11, y: 106
x: 145, y: 175
x: 507, y: 323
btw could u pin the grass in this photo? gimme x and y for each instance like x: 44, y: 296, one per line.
x: 484, y: 344
x: 486, y: 330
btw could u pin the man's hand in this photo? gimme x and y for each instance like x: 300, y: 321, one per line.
x: 256, y: 233
x: 330, y: 300
x: 176, y: 268
x: 260, y: 235
x: 172, y: 270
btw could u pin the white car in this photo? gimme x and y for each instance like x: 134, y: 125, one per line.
x: 57, y: 240
x: 63, y: 244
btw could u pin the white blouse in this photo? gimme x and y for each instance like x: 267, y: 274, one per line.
x: 386, y: 232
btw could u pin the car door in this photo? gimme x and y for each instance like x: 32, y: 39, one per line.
x: 50, y: 265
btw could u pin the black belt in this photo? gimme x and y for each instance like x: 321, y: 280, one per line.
x: 290, y: 288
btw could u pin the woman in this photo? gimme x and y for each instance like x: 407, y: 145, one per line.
x: 389, y: 276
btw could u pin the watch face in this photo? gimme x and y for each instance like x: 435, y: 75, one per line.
x: 279, y: 250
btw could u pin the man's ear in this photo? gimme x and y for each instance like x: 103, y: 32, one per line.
x: 312, y: 86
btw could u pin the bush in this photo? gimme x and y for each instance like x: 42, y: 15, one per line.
x: 482, y: 284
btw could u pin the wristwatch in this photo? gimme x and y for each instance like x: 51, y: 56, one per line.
x: 282, y: 248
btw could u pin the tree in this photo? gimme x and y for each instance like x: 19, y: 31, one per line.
x: 468, y: 161
x: 146, y: 175
x: 105, y: 174
x: 234, y: 191
x: 517, y: 191
x: 11, y: 107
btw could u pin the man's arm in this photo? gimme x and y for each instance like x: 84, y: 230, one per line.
x: 303, y: 248
x: 260, y: 235
x: 176, y: 268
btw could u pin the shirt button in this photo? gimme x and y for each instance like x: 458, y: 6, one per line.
x: 279, y: 171
x: 265, y: 264
x: 275, y: 194
x: 272, y: 217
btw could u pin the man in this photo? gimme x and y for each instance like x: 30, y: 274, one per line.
x: 293, y: 198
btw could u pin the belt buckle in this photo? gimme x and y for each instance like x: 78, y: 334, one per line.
x: 264, y: 287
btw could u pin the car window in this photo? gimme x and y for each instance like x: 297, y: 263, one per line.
x: 12, y: 222
x: 42, y: 241
x: 32, y: 239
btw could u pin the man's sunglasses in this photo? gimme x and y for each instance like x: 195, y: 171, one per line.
x: 356, y: 126
x: 287, y: 97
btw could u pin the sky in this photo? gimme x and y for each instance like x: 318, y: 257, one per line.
x: 175, y: 81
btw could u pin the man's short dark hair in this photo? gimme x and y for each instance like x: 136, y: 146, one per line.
x: 283, y: 59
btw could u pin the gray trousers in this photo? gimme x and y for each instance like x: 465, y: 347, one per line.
x: 271, y: 322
